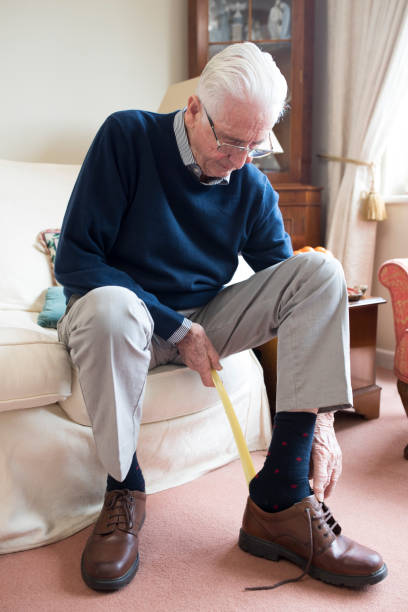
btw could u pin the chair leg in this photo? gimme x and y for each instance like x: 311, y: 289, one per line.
x: 403, y: 391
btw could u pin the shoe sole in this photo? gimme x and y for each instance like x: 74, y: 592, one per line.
x: 274, y: 552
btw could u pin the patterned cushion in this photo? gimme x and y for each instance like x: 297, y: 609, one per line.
x: 48, y: 242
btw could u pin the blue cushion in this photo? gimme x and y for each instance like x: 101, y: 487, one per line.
x: 54, y: 307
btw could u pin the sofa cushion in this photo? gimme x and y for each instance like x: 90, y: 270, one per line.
x: 33, y: 196
x: 35, y: 368
x: 184, y: 391
x: 174, y: 391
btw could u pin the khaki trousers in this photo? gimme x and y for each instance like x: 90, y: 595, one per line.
x: 303, y: 300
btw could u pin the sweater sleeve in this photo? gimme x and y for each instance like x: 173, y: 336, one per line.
x: 268, y: 243
x: 98, y: 204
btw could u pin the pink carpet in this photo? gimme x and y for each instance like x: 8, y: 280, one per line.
x: 190, y: 560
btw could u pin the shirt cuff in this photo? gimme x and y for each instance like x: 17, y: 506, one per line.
x: 180, y: 332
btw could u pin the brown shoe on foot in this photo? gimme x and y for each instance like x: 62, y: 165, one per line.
x: 111, y: 556
x: 308, y: 535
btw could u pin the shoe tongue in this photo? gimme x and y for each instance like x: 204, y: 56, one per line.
x: 312, y: 499
x: 116, y: 494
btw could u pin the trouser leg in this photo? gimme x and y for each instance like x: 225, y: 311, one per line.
x: 108, y: 333
x: 303, y: 301
x: 134, y: 480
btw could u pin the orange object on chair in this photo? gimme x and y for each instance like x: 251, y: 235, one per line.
x: 393, y: 274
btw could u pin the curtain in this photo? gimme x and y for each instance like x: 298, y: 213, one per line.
x: 365, y: 63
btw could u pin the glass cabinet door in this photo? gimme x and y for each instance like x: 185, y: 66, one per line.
x: 279, y: 27
x: 268, y: 24
x: 257, y: 20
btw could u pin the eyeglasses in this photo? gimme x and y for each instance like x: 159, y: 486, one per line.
x: 227, y: 148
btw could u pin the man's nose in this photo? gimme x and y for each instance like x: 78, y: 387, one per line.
x: 239, y: 158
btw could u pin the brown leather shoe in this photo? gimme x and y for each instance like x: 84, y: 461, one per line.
x: 111, y: 557
x: 308, y: 535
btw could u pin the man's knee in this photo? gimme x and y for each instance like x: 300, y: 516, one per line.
x: 116, y: 311
x: 325, y: 269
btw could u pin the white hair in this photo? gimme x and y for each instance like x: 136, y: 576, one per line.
x: 244, y: 72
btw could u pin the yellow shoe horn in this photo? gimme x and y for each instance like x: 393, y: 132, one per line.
x: 246, y: 460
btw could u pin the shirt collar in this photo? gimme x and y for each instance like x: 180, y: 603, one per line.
x: 187, y: 154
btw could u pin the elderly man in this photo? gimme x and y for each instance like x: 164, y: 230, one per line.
x: 161, y: 209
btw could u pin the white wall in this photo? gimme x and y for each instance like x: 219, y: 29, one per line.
x: 67, y: 64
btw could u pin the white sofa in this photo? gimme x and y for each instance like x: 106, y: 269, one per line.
x: 52, y: 483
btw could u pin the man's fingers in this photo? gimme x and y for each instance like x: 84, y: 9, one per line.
x: 213, y: 356
x: 335, y: 475
x: 331, y: 484
x: 199, y: 354
x: 211, y: 362
x: 326, y: 455
x: 318, y: 493
x: 206, y: 379
x: 330, y: 488
x: 322, y: 479
x: 319, y: 481
x: 205, y: 372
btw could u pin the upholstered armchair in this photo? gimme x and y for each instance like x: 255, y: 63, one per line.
x: 393, y: 274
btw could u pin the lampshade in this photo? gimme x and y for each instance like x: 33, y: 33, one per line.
x: 177, y: 95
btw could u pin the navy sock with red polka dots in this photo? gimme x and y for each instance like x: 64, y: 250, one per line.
x: 134, y: 480
x: 283, y: 480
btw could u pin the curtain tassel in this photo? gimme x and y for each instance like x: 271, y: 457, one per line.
x: 373, y: 205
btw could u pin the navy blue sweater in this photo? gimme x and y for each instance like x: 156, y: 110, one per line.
x: 138, y: 218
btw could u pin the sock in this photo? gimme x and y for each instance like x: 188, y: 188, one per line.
x: 134, y: 480
x: 283, y: 480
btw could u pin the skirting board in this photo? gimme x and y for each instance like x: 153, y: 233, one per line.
x: 384, y: 358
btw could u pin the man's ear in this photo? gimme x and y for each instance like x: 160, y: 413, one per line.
x: 192, y: 114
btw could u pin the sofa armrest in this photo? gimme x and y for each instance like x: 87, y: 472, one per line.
x: 393, y: 274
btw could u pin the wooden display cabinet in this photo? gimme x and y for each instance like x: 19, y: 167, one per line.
x: 285, y: 29
x: 300, y: 206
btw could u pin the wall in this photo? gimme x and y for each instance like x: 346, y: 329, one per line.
x: 67, y: 64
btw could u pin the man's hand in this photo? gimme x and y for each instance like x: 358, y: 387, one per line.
x: 325, y: 460
x: 199, y: 354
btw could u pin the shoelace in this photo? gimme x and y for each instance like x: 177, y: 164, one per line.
x: 120, y: 506
x: 327, y: 519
